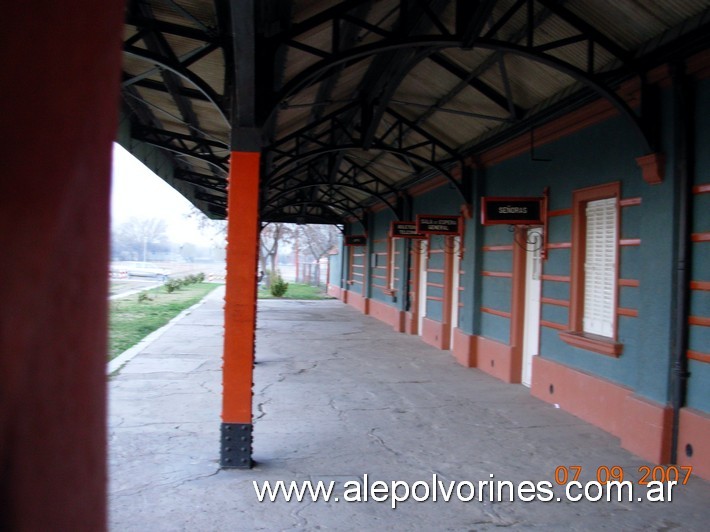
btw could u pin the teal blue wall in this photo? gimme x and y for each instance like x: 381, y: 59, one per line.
x: 378, y: 235
x: 699, y: 337
x: 361, y: 287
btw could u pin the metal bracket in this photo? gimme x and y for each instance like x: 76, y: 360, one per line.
x: 235, y: 445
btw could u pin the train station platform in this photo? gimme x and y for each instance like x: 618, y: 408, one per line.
x: 340, y: 397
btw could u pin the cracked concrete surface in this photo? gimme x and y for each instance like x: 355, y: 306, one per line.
x: 339, y: 395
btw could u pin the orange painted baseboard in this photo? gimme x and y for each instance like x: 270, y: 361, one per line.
x: 647, y: 429
x: 356, y: 300
x: 490, y: 356
x: 643, y: 426
x: 434, y: 333
x: 410, y: 323
x: 495, y: 358
x: 695, y: 432
x: 387, y: 313
x: 464, y: 349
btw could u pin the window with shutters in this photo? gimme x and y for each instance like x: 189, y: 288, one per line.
x: 600, y: 268
x: 594, y: 270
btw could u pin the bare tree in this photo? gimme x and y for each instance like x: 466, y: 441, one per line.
x: 136, y: 237
x: 318, y: 240
x: 272, y: 236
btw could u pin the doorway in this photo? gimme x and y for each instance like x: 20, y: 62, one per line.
x: 455, y: 250
x: 422, y: 249
x: 533, y: 291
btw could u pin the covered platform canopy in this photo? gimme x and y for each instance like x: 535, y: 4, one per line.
x: 354, y: 102
x: 295, y: 111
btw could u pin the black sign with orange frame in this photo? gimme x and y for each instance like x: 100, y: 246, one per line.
x: 438, y: 224
x: 511, y: 211
x: 355, y: 240
x: 405, y: 230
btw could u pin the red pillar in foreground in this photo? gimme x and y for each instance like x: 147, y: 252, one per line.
x: 61, y: 65
x: 240, y: 309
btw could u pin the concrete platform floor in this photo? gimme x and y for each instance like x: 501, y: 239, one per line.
x: 338, y: 395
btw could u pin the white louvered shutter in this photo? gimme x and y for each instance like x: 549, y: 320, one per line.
x: 600, y: 268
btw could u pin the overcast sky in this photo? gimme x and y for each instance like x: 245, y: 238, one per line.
x: 138, y: 192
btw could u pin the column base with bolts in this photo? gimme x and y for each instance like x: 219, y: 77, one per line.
x: 235, y: 445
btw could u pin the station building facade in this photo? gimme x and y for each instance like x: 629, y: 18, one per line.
x: 587, y: 307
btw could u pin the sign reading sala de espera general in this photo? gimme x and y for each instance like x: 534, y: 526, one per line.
x: 404, y: 230
x: 438, y: 224
x: 355, y: 240
x: 511, y: 211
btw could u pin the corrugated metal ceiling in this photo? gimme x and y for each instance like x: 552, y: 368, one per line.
x: 399, y: 95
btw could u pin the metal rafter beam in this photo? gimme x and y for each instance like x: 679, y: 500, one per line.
x: 220, y: 163
x: 337, y: 11
x: 471, y: 16
x: 160, y: 87
x: 401, y: 153
x: 376, y: 184
x: 435, y: 42
x: 586, y: 29
x: 149, y: 23
x: 179, y: 69
x: 475, y: 83
x: 201, y: 180
x: 387, y: 70
x: 307, y: 186
x: 182, y: 138
x: 325, y: 207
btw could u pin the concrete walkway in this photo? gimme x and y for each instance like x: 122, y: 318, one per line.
x: 339, y: 395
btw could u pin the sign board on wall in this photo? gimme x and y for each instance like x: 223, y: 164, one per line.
x: 511, y: 211
x: 355, y: 240
x: 438, y: 224
x: 405, y: 230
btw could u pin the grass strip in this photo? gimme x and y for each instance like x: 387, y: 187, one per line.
x: 131, y: 320
x: 297, y: 291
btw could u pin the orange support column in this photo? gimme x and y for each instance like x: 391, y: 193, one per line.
x: 240, y: 309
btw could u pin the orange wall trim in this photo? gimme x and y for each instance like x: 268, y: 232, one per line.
x: 629, y: 202
x: 508, y: 247
x: 496, y: 274
x: 434, y: 333
x: 495, y: 312
x: 643, y: 426
x: 701, y: 237
x: 700, y: 357
x: 556, y: 278
x: 388, y: 314
x: 560, y: 212
x: 556, y: 302
x: 628, y: 312
x: 699, y: 320
x: 695, y: 432
x: 553, y: 325
x: 700, y: 285
x: 464, y: 348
